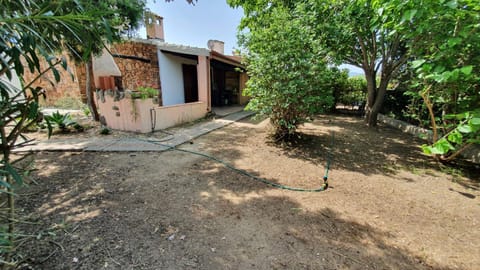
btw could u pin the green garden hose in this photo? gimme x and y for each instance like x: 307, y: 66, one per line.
x: 245, y: 173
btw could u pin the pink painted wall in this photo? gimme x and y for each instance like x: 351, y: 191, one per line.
x: 120, y: 115
x: 203, y: 75
x: 169, y: 116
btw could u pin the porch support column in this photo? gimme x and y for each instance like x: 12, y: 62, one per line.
x: 203, y: 76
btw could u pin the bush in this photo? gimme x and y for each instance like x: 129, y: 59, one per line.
x: 61, y: 121
x: 351, y: 91
x: 145, y: 92
x: 288, y: 79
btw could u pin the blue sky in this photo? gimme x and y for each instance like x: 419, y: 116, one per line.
x: 195, y: 24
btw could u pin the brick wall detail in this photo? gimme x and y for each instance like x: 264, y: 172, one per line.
x: 136, y: 73
x: 65, y: 87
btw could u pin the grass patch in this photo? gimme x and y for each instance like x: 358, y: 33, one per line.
x: 65, y: 102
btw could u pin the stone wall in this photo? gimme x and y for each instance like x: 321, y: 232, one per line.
x: 472, y: 153
x: 66, y: 87
x: 138, y: 63
x: 82, y: 81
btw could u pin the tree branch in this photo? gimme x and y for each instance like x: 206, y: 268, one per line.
x: 429, y: 105
x: 365, y: 64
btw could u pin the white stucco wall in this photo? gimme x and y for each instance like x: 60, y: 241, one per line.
x: 14, y: 84
x: 104, y: 65
x: 171, y: 78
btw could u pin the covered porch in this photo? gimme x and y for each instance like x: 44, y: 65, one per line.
x: 180, y: 75
x: 228, y: 79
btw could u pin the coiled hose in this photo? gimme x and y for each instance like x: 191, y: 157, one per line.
x: 259, y: 179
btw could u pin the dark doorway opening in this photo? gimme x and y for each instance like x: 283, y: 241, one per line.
x: 190, y: 83
x: 225, y: 84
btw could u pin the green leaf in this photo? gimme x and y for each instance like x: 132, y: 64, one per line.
x: 452, y: 4
x: 33, y: 110
x: 450, y: 116
x: 417, y: 63
x: 64, y: 62
x: 49, y: 127
x: 455, y: 137
x: 4, y: 184
x: 439, y: 69
x: 474, y: 121
x: 467, y: 70
x: 15, y: 175
x: 409, y: 14
x: 56, y: 74
x: 464, y: 128
x: 454, y: 41
x: 427, y: 149
x: 441, y: 147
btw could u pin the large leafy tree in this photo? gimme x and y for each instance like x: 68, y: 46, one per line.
x: 438, y: 41
x: 288, y: 75
x: 31, y: 32
x: 350, y: 32
x: 353, y: 33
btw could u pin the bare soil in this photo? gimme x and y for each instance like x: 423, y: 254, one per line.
x: 388, y: 206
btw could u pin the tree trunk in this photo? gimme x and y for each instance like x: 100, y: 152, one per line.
x: 379, y: 99
x: 376, y: 96
x: 89, y: 90
x: 370, y: 115
x: 10, y: 198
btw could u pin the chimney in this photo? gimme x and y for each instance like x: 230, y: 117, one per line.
x: 216, y: 45
x: 154, y: 25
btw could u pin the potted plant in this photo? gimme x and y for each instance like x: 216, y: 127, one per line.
x: 146, y: 92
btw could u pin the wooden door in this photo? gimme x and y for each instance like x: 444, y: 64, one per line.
x: 190, y: 83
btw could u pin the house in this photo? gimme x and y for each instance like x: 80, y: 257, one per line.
x: 189, y: 81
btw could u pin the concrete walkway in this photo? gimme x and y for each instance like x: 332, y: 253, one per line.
x: 135, y: 143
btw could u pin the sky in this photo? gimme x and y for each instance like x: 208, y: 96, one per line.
x: 194, y: 25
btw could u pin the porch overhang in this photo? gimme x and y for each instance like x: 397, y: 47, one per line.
x: 231, y: 60
x: 174, y: 48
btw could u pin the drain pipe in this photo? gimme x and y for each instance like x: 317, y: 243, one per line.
x: 153, y: 118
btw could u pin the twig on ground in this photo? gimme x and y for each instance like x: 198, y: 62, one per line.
x: 48, y: 257
x: 346, y: 257
x: 57, y: 244
x: 111, y: 258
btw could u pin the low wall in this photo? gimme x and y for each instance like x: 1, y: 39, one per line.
x: 406, y: 127
x: 139, y: 115
x: 472, y: 153
x: 169, y: 116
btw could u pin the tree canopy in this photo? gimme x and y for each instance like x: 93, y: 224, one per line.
x: 444, y: 41
x: 436, y: 42
x: 288, y: 74
x: 32, y: 31
x: 347, y: 32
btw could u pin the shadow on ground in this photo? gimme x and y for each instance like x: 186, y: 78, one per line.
x: 355, y: 147
x: 173, y: 210
x: 200, y: 217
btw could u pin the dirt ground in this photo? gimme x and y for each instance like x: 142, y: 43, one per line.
x: 389, y: 207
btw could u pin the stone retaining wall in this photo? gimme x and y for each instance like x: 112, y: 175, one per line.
x: 472, y: 153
